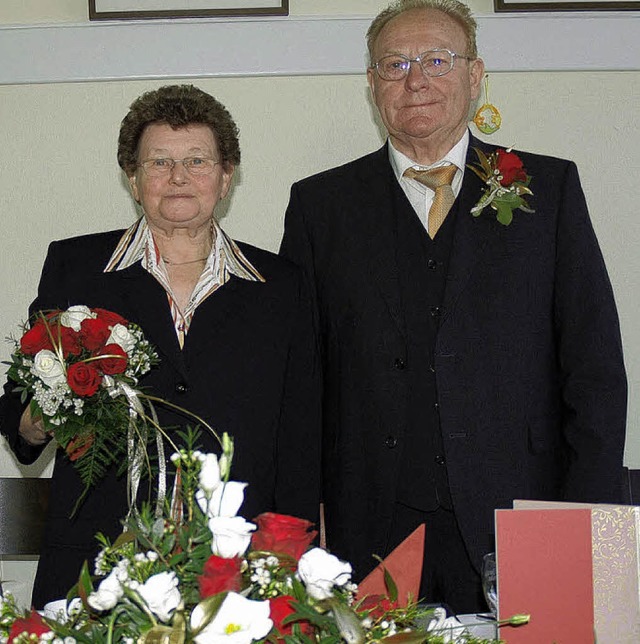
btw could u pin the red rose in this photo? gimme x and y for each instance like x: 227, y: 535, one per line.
x: 110, y: 317
x: 32, y: 625
x: 115, y: 362
x: 77, y: 447
x: 83, y: 378
x: 69, y: 340
x: 36, y: 339
x: 219, y: 575
x: 282, y: 534
x: 94, y: 332
x: 510, y: 167
x: 281, y: 608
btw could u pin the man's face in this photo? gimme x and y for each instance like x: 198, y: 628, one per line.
x: 422, y: 112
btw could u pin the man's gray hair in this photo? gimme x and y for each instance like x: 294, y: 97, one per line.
x: 452, y: 8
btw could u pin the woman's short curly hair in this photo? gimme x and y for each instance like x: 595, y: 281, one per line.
x: 178, y: 106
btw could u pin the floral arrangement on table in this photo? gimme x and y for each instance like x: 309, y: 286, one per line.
x: 203, y: 574
x: 190, y: 569
x: 80, y: 369
x: 507, y: 181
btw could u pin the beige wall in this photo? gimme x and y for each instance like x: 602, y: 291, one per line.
x: 60, y: 178
x: 35, y: 11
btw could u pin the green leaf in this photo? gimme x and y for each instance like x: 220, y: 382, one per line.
x: 392, y: 589
x: 504, y: 213
x: 348, y: 623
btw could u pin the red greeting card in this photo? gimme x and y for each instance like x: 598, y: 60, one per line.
x: 545, y: 569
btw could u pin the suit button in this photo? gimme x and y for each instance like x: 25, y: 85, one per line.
x: 391, y: 442
x: 432, y: 264
x: 399, y: 364
x: 182, y: 388
x: 436, y: 406
x: 439, y: 460
x: 436, y: 311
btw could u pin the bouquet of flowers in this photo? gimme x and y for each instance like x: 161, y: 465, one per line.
x: 507, y: 181
x: 80, y: 368
x: 202, y: 574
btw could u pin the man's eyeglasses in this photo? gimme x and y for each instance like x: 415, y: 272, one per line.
x: 434, y: 62
x: 163, y: 166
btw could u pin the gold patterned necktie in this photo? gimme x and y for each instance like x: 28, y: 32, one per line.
x: 439, y: 180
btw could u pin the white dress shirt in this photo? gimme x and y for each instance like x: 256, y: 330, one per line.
x: 417, y: 193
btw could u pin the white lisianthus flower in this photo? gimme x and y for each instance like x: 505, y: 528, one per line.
x: 121, y: 336
x: 161, y: 594
x: 321, y: 571
x: 111, y: 589
x: 224, y: 501
x: 48, y: 368
x: 209, y: 477
x: 238, y: 621
x: 74, y: 315
x: 231, y: 536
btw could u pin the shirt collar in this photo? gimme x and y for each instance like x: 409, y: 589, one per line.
x: 457, y: 156
x: 225, y: 258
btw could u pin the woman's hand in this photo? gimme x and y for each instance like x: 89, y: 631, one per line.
x: 32, y: 430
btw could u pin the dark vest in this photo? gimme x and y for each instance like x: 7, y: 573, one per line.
x: 423, y: 265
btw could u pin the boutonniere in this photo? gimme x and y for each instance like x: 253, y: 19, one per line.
x: 507, y: 181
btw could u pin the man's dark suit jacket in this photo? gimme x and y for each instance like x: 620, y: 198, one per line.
x: 249, y: 367
x: 528, y: 360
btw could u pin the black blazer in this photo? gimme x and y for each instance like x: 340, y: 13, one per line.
x: 249, y: 367
x: 528, y: 360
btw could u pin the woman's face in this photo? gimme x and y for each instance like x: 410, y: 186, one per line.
x: 179, y: 199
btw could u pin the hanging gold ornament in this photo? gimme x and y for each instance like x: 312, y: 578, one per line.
x: 487, y: 118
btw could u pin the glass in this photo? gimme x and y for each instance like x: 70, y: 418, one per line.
x: 162, y: 165
x: 434, y: 62
x: 490, y: 582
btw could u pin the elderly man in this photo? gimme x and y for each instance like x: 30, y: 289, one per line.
x: 468, y: 360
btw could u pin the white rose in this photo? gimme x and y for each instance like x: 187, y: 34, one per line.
x: 238, y: 621
x: 48, y: 368
x: 321, y: 571
x: 231, y: 536
x: 111, y: 589
x: 224, y: 501
x: 74, y: 315
x: 161, y: 594
x: 121, y: 336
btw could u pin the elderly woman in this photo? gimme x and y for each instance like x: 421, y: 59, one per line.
x: 230, y: 322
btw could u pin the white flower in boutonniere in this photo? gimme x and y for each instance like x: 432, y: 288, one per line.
x: 507, y: 181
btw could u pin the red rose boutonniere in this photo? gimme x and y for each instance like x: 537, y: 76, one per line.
x: 507, y: 181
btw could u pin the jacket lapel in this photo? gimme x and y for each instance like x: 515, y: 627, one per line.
x: 471, y: 234
x: 377, y: 230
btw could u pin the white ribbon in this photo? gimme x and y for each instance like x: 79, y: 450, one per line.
x: 137, y: 438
